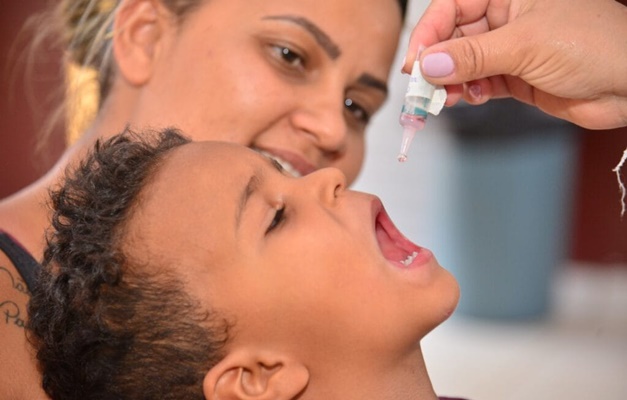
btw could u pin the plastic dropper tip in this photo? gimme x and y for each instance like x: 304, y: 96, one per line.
x: 408, y: 135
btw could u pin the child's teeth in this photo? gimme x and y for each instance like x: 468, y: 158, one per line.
x: 409, y: 258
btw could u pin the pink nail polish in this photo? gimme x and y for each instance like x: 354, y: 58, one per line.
x: 437, y: 65
x: 475, y: 91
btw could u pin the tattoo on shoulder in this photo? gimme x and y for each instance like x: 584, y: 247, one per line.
x: 9, y: 308
x: 17, y: 284
x: 11, y: 312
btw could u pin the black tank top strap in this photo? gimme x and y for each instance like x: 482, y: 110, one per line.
x: 23, y: 261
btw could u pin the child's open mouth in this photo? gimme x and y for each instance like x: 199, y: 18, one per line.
x: 395, y: 247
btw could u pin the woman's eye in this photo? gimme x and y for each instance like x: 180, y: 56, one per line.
x: 279, y: 217
x: 357, y: 111
x: 289, y: 56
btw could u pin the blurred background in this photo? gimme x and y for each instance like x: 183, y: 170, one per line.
x: 524, y: 210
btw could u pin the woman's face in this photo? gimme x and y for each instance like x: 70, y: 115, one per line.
x: 296, y: 79
x: 300, y: 263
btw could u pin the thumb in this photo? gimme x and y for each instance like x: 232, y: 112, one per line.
x: 456, y: 61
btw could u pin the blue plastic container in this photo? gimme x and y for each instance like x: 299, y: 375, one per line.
x: 512, y: 183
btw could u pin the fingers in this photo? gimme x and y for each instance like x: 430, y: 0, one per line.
x: 478, y: 91
x: 454, y: 94
x: 440, y: 21
x: 472, y: 58
x: 436, y: 24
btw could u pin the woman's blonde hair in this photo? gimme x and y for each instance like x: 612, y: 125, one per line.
x: 84, y: 31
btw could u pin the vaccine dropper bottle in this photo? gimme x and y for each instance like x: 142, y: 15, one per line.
x: 421, y: 98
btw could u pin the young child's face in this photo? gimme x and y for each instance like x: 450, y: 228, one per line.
x: 300, y: 264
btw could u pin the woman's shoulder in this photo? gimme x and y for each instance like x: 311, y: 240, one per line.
x: 21, y: 381
x: 14, y: 293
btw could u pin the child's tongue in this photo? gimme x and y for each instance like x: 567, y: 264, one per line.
x: 389, y: 247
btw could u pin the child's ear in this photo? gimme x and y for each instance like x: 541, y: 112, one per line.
x: 138, y: 29
x: 253, y: 375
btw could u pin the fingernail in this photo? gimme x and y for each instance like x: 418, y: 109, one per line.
x: 475, y: 91
x: 437, y: 65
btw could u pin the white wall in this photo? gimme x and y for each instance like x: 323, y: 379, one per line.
x: 414, y: 191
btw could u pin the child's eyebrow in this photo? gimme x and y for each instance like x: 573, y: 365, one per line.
x: 254, y: 182
x: 251, y: 187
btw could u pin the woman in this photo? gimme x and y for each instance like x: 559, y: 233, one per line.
x: 296, y: 80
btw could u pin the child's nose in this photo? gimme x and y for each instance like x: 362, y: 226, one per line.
x: 326, y: 183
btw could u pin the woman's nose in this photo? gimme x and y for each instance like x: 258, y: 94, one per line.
x: 321, y: 116
x: 326, y: 184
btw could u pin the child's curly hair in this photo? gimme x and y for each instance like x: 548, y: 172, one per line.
x: 105, y: 326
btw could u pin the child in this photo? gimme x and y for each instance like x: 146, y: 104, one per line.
x: 179, y: 270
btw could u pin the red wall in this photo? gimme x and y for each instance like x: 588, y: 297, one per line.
x: 19, y: 122
x: 599, y: 232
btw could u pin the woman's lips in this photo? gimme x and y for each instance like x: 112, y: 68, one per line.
x: 394, y: 246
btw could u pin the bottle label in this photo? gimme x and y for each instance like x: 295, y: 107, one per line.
x: 412, y: 110
x: 419, y: 87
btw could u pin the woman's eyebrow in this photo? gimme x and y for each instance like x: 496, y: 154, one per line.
x: 330, y: 47
x: 373, y: 82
